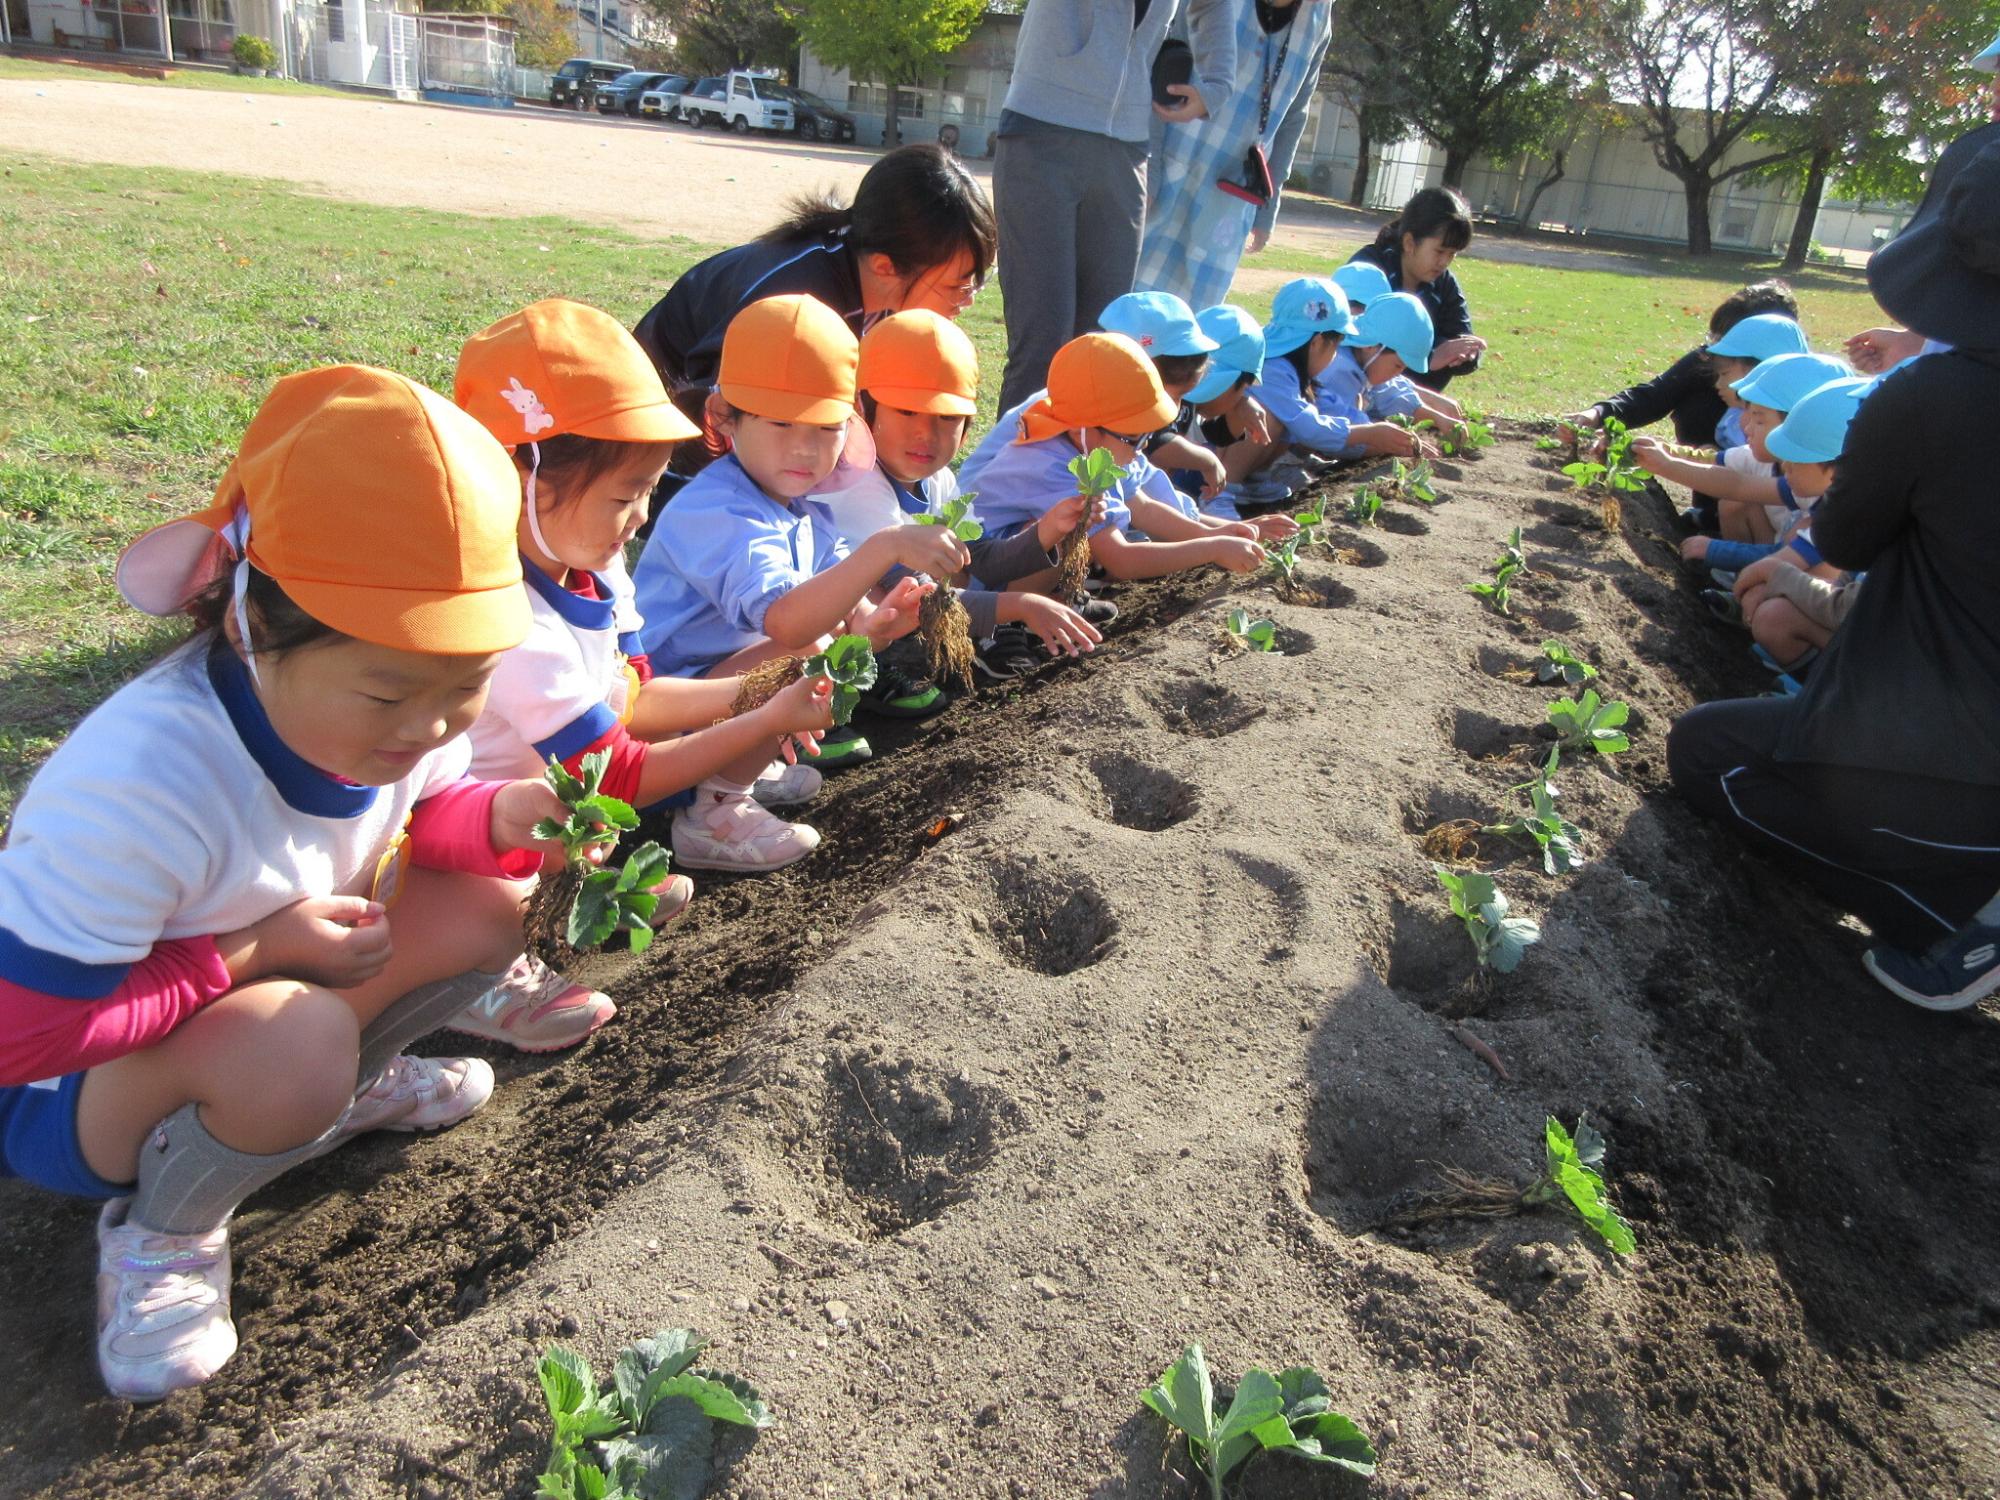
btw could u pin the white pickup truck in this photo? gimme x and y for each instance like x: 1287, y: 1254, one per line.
x: 747, y: 102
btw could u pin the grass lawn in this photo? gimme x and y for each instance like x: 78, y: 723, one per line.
x: 147, y: 312
x: 179, y: 78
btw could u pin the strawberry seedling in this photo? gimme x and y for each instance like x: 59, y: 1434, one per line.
x: 1558, y: 665
x: 942, y: 624
x: 1257, y: 635
x: 1095, y: 473
x: 1512, y: 554
x: 1498, y: 940
x: 1310, y: 522
x: 1364, y: 507
x: 1499, y: 593
x: 1290, y: 1413
x: 1474, y: 431
x: 1281, y: 561
x: 1589, y: 723
x: 585, y: 904
x: 1572, y: 1177
x: 849, y: 664
x: 1544, y: 826
x: 652, y: 1435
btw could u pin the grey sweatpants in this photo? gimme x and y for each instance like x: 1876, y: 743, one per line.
x: 1071, y: 206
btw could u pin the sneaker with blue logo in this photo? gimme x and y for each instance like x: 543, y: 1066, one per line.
x: 1954, y: 974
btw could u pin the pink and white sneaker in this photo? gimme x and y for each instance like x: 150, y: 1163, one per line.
x: 418, y: 1093
x: 535, y: 1009
x: 162, y: 1306
x: 726, y: 829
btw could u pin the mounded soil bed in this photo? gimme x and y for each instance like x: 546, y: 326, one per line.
x: 1164, y: 1041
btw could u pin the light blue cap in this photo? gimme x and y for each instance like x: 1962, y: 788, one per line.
x: 1989, y: 60
x: 1761, y: 337
x: 1239, y: 350
x: 1158, y: 322
x: 1784, y: 380
x: 1815, y: 431
x: 1363, y: 281
x: 1302, y: 308
x: 1401, y: 323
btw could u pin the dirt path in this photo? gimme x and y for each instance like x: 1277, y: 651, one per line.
x: 1159, y: 1045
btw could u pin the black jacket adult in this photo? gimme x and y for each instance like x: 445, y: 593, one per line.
x: 1911, y: 681
x: 1685, y: 391
x: 1442, y: 299
x: 683, y: 331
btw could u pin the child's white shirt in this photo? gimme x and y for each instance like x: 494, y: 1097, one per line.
x: 174, y: 811
x: 865, y: 501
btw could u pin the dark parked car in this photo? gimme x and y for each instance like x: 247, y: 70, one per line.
x: 621, y: 95
x: 576, y: 80
x: 814, y: 118
x: 710, y: 93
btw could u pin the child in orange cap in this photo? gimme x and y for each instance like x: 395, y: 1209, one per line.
x: 741, y: 566
x: 257, y: 872
x: 571, y: 393
x: 919, y: 383
x: 1103, y: 393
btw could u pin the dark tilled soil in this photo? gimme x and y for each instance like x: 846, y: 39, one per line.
x: 1195, y: 877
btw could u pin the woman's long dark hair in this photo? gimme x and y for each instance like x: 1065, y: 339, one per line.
x: 917, y: 205
x: 1430, y: 211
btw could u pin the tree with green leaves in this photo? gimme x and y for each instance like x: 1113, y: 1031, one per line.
x: 714, y: 36
x: 542, y: 36
x: 1363, y: 72
x: 890, y: 42
x: 1698, y: 77
x: 1476, y: 77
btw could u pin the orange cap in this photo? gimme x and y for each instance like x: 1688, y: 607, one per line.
x: 920, y: 361
x: 382, y: 510
x: 558, y: 366
x: 1100, y: 380
x: 790, y: 359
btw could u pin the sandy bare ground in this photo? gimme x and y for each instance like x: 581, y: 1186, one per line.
x: 646, y: 178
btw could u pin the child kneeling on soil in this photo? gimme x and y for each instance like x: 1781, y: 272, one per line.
x: 200, y: 890
x: 1393, y: 334
x: 1167, y: 329
x: 1793, y: 599
x: 1390, y: 395
x: 570, y: 393
x: 918, y: 379
x: 1309, y: 319
x: 742, y: 567
x: 1755, y: 504
x: 1103, y: 393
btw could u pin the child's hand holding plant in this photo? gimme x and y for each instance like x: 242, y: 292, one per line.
x: 1060, y: 519
x: 1235, y: 554
x: 520, y: 806
x: 800, y: 713
x: 1275, y: 527
x: 335, y: 941
x: 932, y: 550
x: 1649, y: 454
x: 901, y: 608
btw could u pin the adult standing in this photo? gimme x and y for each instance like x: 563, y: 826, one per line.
x: 1415, y: 250
x: 1880, y: 782
x: 1216, y: 182
x: 1069, y: 166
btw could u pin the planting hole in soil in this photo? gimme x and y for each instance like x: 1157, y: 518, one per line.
x: 1575, y: 517
x: 904, y: 1140
x: 1050, y: 921
x: 1202, y: 710
x: 1430, y: 961
x: 1141, y: 796
x: 1357, y: 552
x: 1317, y: 593
x: 1402, y: 523
x: 1484, y: 737
x: 1295, y: 642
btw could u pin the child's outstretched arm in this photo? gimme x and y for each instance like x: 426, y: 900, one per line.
x: 1716, y: 480
x: 1180, y: 453
x: 1163, y: 523
x: 810, y: 609
x: 1125, y: 559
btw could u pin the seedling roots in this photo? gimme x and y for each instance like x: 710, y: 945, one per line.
x: 1453, y: 841
x: 1611, y: 513
x: 1074, y: 565
x: 945, y: 628
x: 546, y: 920
x: 1467, y: 1195
x: 764, y: 681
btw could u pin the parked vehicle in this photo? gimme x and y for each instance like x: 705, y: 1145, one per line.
x: 621, y: 95
x: 744, y: 102
x: 577, y: 80
x: 663, y: 100
x: 695, y: 102
x: 815, y: 119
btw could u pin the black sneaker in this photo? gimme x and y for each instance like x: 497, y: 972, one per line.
x: 1012, y: 653
x: 1956, y: 973
x: 897, y: 695
x: 1097, y: 611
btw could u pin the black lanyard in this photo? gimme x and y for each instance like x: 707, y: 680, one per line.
x: 1271, y: 74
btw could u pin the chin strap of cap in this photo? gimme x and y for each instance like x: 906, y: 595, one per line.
x: 534, y: 521
x: 237, y: 534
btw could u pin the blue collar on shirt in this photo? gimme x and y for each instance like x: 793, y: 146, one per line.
x: 304, y: 786
x: 585, y: 614
x: 912, y: 501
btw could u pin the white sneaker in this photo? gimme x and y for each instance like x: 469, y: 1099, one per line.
x: 534, y: 1009
x: 162, y: 1306
x: 419, y: 1093
x: 727, y: 830
x: 780, y: 785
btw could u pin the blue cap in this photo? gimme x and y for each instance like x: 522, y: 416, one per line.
x: 1363, y: 281
x: 1239, y: 350
x: 1815, y: 431
x: 1761, y: 337
x: 1989, y: 60
x: 1302, y: 308
x: 1158, y: 322
x: 1401, y: 324
x: 1784, y: 380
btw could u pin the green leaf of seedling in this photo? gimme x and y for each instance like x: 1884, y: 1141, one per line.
x: 609, y: 811
x: 1585, y: 1189
x: 594, y: 917
x: 566, y: 786
x: 1546, y: 444
x: 1334, y: 1439
x: 567, y: 1384
x: 672, y: 1458
x: 1239, y: 1430
x: 1095, y: 472
x: 647, y: 867
x: 1185, y: 1396
x: 1589, y: 1146
x: 593, y: 767
x: 968, y: 531
x: 550, y: 829
x: 725, y: 1398
x: 1512, y: 936
x: 1264, y: 635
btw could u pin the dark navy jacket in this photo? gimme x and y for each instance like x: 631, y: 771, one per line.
x: 1442, y: 299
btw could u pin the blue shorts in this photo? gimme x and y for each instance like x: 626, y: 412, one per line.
x: 38, y: 1141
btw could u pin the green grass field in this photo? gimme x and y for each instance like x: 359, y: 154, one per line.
x: 147, y: 312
